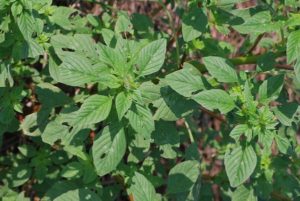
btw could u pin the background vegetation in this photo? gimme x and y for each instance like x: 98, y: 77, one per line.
x: 149, y: 100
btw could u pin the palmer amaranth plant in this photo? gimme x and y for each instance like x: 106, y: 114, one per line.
x: 149, y: 100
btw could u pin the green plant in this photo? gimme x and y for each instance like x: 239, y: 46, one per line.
x: 117, y: 107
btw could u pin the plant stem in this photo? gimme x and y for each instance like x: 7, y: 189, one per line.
x: 257, y: 40
x: 253, y: 59
x: 189, y: 131
x: 173, y: 31
x: 214, y: 115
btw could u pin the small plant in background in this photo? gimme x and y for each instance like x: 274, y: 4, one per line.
x: 148, y: 101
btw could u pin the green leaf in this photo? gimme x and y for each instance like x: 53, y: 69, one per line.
x: 239, y: 164
x: 26, y: 49
x: 286, y: 112
x: 123, y: 103
x: 266, y: 138
x: 183, y: 176
x: 186, y: 81
x: 94, y: 109
x: 283, y: 143
x: 26, y: 25
x: 266, y: 62
x: 142, y: 189
x: 142, y: 23
x: 170, y: 107
x: 297, y: 69
x: 194, y: 24
x: 108, y: 36
x: 238, y: 130
x: 293, y: 46
x: 292, y: 3
x: 53, y: 132
x: 58, y: 97
x: 21, y: 197
x: 79, y: 43
x: 113, y: 58
x: 141, y: 120
x: 149, y: 92
x: 85, y: 44
x: 61, y: 17
x: 215, y: 99
x: 151, y: 57
x: 108, y: 149
x: 58, y: 188
x: 221, y: 69
x: 53, y: 64
x: 78, y: 194
x: 77, y: 70
x: 270, y: 89
x: 5, y: 76
x: 72, y: 170
x: 20, y: 175
x: 258, y: 23
x: 167, y: 138
x: 123, y: 24
x: 165, y: 133
x: 29, y: 125
x: 243, y: 193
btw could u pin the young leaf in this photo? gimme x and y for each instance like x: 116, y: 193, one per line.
x: 185, y: 81
x: 238, y: 131
x: 151, y: 57
x: 215, y: 99
x: 142, y: 189
x: 94, y: 109
x: 123, y: 103
x: 270, y: 89
x: 183, y: 176
x: 239, y: 164
x: 193, y: 24
x: 108, y: 149
x: 221, y: 69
